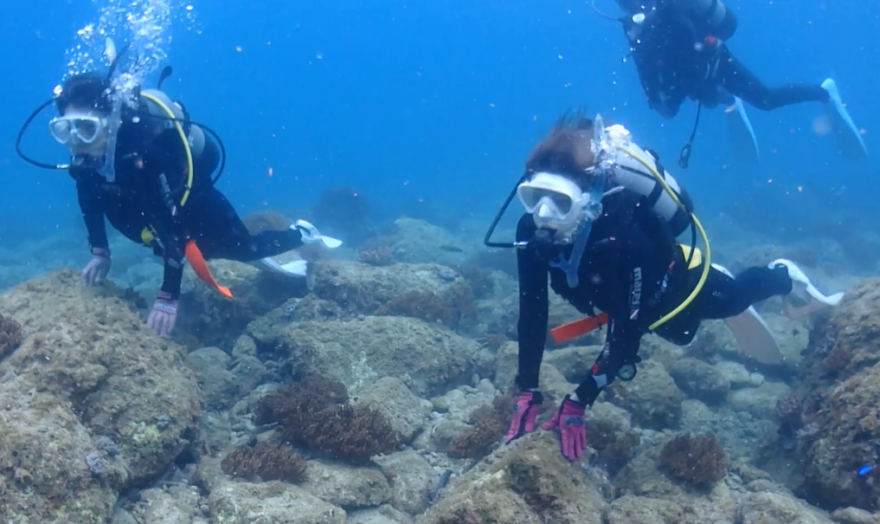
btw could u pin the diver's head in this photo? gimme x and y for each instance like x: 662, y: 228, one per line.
x: 84, y: 108
x: 563, y: 187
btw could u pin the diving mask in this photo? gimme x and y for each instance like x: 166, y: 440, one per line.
x: 77, y: 129
x: 556, y: 202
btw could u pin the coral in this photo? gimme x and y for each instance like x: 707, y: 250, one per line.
x: 449, y: 309
x: 10, y: 335
x: 265, y: 221
x: 489, y: 423
x: 615, y: 447
x: 265, y: 461
x: 315, y: 414
x: 699, y: 461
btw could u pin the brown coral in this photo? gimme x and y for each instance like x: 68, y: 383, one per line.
x: 380, y: 256
x: 10, y: 335
x: 480, y: 279
x: 315, y: 414
x: 699, y: 461
x: 266, y: 462
x: 489, y: 423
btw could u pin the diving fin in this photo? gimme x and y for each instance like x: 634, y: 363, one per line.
x: 804, y: 299
x: 848, y: 137
x: 752, y: 334
x: 295, y: 268
x: 743, y: 144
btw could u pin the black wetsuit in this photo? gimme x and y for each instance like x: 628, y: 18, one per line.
x: 634, y: 271
x: 136, y: 201
x: 671, y: 68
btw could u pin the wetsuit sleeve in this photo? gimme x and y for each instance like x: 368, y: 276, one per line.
x: 163, y: 178
x: 533, y: 307
x: 90, y: 204
x: 625, y: 324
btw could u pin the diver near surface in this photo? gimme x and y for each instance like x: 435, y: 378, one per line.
x: 601, y: 234
x: 147, y: 170
x: 680, y: 51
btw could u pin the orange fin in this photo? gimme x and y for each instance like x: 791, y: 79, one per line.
x: 578, y: 328
x: 197, y: 261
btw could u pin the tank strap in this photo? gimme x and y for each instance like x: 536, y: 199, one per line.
x: 658, y: 190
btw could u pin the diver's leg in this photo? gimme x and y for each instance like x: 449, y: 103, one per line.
x: 733, y: 76
x: 220, y: 233
x: 724, y: 296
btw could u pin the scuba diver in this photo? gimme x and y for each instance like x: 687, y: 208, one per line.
x: 680, y: 51
x: 600, y: 228
x: 141, y: 163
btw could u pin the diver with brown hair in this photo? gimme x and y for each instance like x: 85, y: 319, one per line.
x: 600, y: 231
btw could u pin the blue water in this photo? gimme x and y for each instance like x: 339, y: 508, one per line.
x: 435, y: 105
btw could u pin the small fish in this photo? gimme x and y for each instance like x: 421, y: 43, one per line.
x: 452, y: 249
x: 866, y: 469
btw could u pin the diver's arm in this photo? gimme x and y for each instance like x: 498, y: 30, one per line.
x: 533, y: 307
x: 90, y: 204
x: 625, y: 327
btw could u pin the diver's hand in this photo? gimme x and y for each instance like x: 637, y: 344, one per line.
x: 96, y: 270
x: 569, y: 420
x: 163, y: 315
x: 528, y: 405
x: 311, y: 235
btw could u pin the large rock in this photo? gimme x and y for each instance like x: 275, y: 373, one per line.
x: 215, y: 320
x: 777, y: 508
x: 346, y: 486
x: 427, y: 357
x: 848, y: 340
x: 412, y: 480
x: 407, y: 413
x: 700, y: 380
x: 526, y: 482
x: 362, y: 289
x: 219, y: 385
x: 270, y: 502
x: 92, y: 402
x: 652, y: 398
x: 847, y: 431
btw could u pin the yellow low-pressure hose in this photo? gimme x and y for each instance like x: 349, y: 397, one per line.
x: 707, y: 256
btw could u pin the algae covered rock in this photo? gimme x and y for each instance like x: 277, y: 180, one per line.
x: 849, y: 339
x: 525, y: 482
x: 700, y: 380
x: 346, y: 486
x: 651, y: 398
x: 93, y: 401
x: 407, y: 413
x: 275, y: 502
x: 847, y: 438
x: 777, y: 508
x: 426, y: 357
x: 630, y: 509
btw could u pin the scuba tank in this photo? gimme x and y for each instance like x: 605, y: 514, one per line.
x: 633, y: 168
x: 158, y: 121
x: 713, y: 15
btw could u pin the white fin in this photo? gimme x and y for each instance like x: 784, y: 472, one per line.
x: 743, y: 144
x: 754, y: 337
x: 296, y: 268
x: 849, y: 138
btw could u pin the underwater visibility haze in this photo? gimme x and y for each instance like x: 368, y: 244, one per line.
x: 245, y: 274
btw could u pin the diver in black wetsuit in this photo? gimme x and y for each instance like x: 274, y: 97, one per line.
x: 679, y: 50
x: 135, y: 173
x: 605, y: 241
